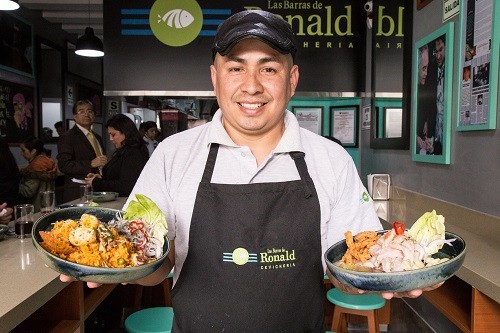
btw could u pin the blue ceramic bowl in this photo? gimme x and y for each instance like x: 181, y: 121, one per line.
x: 84, y: 272
x: 398, y: 281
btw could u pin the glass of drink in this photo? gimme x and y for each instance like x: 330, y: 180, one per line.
x: 48, y: 203
x: 86, y: 194
x: 23, y: 215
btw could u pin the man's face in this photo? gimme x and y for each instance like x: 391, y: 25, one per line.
x: 253, y: 84
x: 440, y: 52
x: 422, y: 66
x: 84, y: 115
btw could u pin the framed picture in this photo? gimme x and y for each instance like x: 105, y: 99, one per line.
x: 389, y: 113
x: 16, y: 45
x: 432, y: 96
x: 478, y: 66
x: 309, y: 117
x: 422, y: 3
x: 17, y: 112
x: 344, y: 124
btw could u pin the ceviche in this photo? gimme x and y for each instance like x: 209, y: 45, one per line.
x: 398, y: 249
x: 136, y: 238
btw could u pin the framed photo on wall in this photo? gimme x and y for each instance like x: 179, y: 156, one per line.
x: 309, y: 117
x: 344, y: 124
x: 16, y: 45
x: 478, y: 65
x: 17, y: 112
x: 432, y: 96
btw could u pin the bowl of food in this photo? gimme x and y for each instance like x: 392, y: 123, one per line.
x: 101, y: 245
x: 104, y: 196
x: 394, y: 261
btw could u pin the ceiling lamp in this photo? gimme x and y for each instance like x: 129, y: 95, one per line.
x: 89, y: 45
x: 9, y: 5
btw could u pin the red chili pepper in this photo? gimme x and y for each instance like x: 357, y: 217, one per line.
x: 399, y: 228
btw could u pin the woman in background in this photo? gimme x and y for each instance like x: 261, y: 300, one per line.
x: 9, y: 176
x: 125, y: 166
x: 39, y: 175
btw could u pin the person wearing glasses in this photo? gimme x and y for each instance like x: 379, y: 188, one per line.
x: 80, y: 150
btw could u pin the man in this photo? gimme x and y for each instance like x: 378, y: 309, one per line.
x: 150, y: 135
x: 80, y: 150
x: 252, y: 200
x: 59, y: 126
x: 425, y: 105
x: 440, y: 55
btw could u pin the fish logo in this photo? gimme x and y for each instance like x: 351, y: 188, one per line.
x: 176, y: 22
x: 178, y: 18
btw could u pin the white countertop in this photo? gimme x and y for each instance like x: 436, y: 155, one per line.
x: 27, y: 283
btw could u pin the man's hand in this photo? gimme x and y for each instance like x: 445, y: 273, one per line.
x: 5, y: 213
x: 387, y: 295
x: 65, y: 278
x: 99, y: 161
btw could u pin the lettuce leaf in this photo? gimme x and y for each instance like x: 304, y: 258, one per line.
x: 428, y: 228
x: 146, y: 210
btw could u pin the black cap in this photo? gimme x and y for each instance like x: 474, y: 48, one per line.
x: 260, y: 24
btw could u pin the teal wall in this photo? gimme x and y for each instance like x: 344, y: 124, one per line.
x: 326, y: 103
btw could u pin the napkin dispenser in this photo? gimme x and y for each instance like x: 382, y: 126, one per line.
x: 379, y: 186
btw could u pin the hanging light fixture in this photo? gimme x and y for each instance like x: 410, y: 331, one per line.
x: 89, y: 45
x: 9, y: 4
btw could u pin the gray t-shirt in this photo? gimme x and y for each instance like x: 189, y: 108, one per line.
x: 173, y: 172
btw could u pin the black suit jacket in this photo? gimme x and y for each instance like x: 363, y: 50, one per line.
x: 121, y: 172
x: 74, y: 155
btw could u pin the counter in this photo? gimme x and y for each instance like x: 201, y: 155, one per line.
x: 27, y: 284
x: 471, y: 298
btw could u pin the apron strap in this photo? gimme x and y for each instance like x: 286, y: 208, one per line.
x: 297, y: 156
x: 209, y: 166
x: 300, y: 163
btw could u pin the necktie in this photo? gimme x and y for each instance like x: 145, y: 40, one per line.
x: 94, y: 143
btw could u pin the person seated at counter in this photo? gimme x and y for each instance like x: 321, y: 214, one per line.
x: 125, y: 166
x: 9, y: 175
x: 39, y: 175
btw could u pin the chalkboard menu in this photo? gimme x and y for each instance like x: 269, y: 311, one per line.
x: 17, y: 114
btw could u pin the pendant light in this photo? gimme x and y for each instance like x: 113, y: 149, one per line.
x: 89, y: 45
x: 9, y: 4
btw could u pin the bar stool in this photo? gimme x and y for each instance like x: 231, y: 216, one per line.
x: 166, y: 286
x: 361, y: 305
x: 150, y: 320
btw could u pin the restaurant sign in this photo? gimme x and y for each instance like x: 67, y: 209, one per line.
x: 175, y: 38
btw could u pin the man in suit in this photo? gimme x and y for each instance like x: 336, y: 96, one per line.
x: 80, y: 150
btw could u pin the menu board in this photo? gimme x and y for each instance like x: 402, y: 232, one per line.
x: 17, y: 114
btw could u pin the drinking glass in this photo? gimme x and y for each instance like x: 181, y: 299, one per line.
x: 48, y: 203
x: 23, y: 215
x: 86, y: 194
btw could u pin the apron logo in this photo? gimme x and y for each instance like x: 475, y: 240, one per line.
x: 365, y: 197
x: 269, y: 259
x: 239, y: 256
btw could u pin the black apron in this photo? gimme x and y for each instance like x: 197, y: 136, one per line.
x: 254, y: 259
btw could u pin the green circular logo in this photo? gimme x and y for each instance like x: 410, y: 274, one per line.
x: 176, y: 22
x: 240, y: 256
